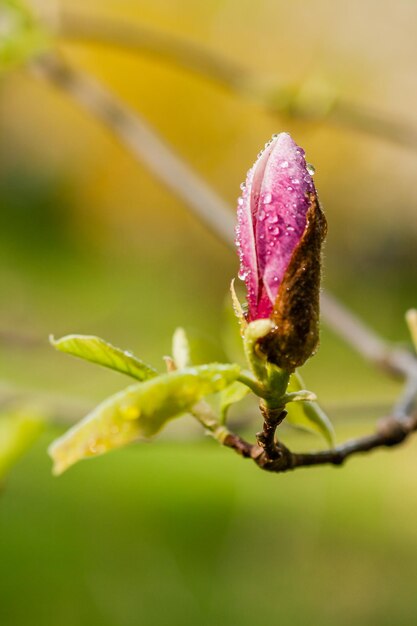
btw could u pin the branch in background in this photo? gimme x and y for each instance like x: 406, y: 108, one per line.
x: 90, y: 28
x: 300, y: 102
x: 373, y: 348
x: 14, y: 339
x: 58, y: 410
x: 141, y: 141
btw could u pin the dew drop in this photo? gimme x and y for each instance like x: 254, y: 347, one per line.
x: 243, y: 274
x: 311, y: 169
x: 240, y: 201
x: 267, y: 198
x: 261, y: 215
x: 243, y: 186
x: 284, y: 164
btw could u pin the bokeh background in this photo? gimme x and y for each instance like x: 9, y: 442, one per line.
x: 180, y: 531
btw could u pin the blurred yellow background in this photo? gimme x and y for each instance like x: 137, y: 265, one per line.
x: 181, y: 532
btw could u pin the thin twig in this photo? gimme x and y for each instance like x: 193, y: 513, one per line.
x: 390, y: 432
x: 57, y: 409
x: 273, y: 456
x: 92, y: 28
x: 12, y: 338
x: 277, y: 99
x: 266, y: 438
x: 144, y: 144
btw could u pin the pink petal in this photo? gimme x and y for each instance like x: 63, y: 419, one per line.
x: 271, y: 220
x: 281, y: 213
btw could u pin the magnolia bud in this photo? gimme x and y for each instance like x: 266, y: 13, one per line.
x: 279, y: 237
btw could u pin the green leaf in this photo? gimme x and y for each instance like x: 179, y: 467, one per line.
x: 98, y: 351
x: 308, y: 415
x: 141, y: 410
x: 17, y: 433
x: 299, y: 396
x: 231, y: 395
x: 238, y: 309
x: 181, y: 349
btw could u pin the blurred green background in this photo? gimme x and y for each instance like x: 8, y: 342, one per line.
x: 180, y: 531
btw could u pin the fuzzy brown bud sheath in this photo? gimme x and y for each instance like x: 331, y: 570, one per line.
x: 280, y: 233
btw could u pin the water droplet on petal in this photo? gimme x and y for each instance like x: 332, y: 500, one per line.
x: 311, y: 169
x: 242, y: 274
x: 284, y: 164
x: 267, y: 198
x: 240, y: 201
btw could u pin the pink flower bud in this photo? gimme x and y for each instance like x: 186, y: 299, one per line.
x: 279, y: 234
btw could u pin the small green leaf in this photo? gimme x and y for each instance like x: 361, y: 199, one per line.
x: 181, y: 349
x: 238, y: 310
x: 308, y: 415
x: 302, y: 395
x: 141, y: 410
x: 231, y: 395
x: 17, y: 433
x: 98, y: 351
